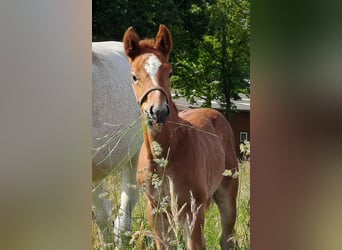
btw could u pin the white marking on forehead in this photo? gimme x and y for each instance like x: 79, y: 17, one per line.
x: 152, y: 66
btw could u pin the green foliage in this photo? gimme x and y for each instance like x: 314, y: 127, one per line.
x: 187, y: 20
x: 141, y: 235
x: 221, y: 69
x: 245, y: 149
x: 242, y: 225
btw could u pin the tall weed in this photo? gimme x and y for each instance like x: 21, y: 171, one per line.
x: 141, y: 237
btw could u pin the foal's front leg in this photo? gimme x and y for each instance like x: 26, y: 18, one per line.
x: 195, y: 229
x: 160, y: 227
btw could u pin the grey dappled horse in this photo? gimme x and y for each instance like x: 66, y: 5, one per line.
x: 116, y: 135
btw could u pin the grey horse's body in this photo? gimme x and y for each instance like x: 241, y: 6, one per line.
x: 116, y: 134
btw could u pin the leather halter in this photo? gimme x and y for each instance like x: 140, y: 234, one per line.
x: 143, y: 97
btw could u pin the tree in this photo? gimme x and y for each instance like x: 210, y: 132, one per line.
x: 221, y: 70
x: 186, y: 19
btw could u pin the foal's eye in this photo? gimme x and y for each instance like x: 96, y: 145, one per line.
x: 135, y: 78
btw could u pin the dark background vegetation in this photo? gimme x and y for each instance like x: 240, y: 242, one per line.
x: 211, y: 41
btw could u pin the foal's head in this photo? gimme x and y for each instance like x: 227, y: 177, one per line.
x: 151, y: 72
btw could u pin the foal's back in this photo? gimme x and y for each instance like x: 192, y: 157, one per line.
x: 211, y: 123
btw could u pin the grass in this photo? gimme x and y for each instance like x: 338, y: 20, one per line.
x: 141, y: 238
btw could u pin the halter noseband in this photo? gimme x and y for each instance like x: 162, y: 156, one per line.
x: 143, y: 97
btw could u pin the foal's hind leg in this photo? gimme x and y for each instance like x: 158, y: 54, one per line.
x: 225, y: 198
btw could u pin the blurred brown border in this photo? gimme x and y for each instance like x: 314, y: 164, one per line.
x: 45, y: 117
x: 296, y: 125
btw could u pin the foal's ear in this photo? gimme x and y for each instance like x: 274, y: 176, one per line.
x: 163, y: 41
x: 131, y: 43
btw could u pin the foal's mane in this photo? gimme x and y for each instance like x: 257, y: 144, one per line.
x: 147, y: 43
x: 148, y: 46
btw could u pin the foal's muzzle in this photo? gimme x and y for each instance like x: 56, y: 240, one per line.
x: 156, y: 113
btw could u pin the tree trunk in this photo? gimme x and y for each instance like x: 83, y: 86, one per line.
x: 226, y: 86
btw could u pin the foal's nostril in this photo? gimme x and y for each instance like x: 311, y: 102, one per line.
x: 167, y: 110
x: 151, y: 110
x: 158, y: 114
x: 153, y: 114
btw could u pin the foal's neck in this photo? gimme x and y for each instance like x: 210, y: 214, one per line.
x: 164, y: 135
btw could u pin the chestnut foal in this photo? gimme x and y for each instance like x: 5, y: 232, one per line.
x: 197, y: 144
